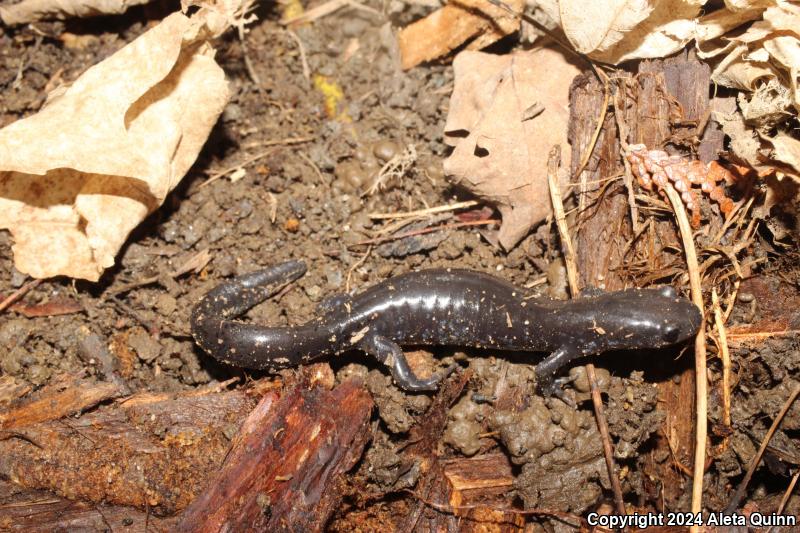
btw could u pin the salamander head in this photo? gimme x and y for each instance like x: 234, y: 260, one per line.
x: 645, y: 318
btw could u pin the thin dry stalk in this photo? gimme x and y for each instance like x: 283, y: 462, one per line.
x: 423, y: 231
x: 554, y: 160
x: 701, y: 380
x: 303, y: 59
x: 354, y: 267
x: 572, y: 276
x: 422, y: 212
x: 279, y: 142
x: 786, y: 496
x: 587, y: 153
x: 622, y: 128
x: 313, y: 165
x: 737, y: 497
x: 19, y: 293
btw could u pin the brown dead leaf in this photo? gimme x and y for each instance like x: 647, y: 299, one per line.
x: 498, y: 156
x: 79, y: 175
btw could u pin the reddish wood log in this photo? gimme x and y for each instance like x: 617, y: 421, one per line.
x: 286, y: 469
x: 152, y: 452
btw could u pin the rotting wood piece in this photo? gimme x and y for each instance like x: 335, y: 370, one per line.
x: 63, y: 397
x: 474, y: 490
x: 665, y: 106
x: 35, y: 511
x: 286, y: 469
x: 147, y: 452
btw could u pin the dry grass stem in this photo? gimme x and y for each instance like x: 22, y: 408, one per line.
x: 19, y: 293
x: 423, y: 212
x: 273, y: 144
x: 423, y: 231
x: 622, y: 127
x: 786, y: 496
x: 303, y: 59
x: 701, y: 379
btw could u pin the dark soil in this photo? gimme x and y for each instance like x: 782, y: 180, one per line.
x: 316, y: 191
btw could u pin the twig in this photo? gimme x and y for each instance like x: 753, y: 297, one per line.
x: 355, y: 266
x: 737, y: 497
x: 701, y: 384
x: 622, y: 128
x: 291, y: 140
x: 572, y: 276
x: 553, y: 161
x: 303, y: 60
x: 19, y: 293
x: 786, y: 496
x: 742, y: 337
x: 423, y: 212
x: 313, y: 165
x: 587, y: 153
x: 423, y: 231
x: 248, y: 64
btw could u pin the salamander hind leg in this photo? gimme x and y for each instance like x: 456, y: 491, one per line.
x: 390, y: 354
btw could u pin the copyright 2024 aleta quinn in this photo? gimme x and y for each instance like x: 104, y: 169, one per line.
x: 643, y: 520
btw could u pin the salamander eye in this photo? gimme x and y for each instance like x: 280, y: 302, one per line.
x: 671, y: 334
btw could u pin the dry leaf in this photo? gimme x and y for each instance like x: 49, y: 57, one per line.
x: 621, y: 30
x: 33, y: 10
x: 786, y: 150
x: 78, y: 176
x: 769, y: 50
x: 497, y: 155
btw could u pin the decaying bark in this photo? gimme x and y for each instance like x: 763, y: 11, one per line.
x: 33, y: 511
x: 63, y: 397
x: 285, y: 470
x: 665, y: 106
x: 151, y: 452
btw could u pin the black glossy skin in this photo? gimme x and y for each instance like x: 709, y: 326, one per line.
x: 438, y: 307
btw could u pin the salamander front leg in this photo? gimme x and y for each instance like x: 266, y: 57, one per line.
x: 390, y: 354
x: 546, y: 380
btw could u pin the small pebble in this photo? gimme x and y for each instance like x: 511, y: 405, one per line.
x: 166, y: 304
x: 350, y: 176
x: 145, y: 346
x: 746, y: 297
x: 385, y: 150
x: 292, y: 225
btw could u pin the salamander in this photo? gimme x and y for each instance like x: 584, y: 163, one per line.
x: 438, y: 307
